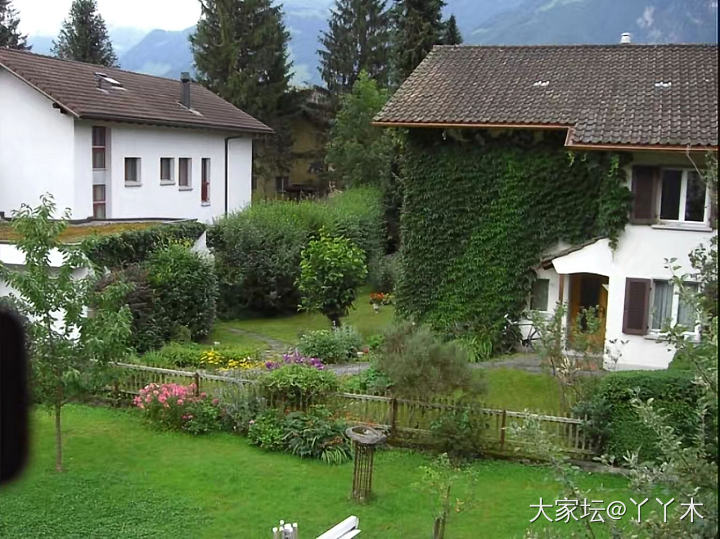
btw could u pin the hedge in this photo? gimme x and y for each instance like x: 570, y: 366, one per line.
x: 617, y: 424
x: 257, y: 251
x: 134, y: 246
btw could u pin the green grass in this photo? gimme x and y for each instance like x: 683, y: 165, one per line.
x: 517, y: 390
x: 124, y: 479
x: 288, y: 328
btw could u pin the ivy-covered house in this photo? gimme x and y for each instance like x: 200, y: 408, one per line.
x: 542, y: 174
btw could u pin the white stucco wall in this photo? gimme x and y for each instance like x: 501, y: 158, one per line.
x: 152, y: 198
x: 36, y: 148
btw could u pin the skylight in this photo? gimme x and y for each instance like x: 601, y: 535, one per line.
x: 663, y: 84
x: 102, y: 77
x: 541, y: 83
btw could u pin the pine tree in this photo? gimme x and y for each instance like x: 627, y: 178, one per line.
x: 84, y: 36
x: 241, y: 53
x: 451, y: 34
x: 9, y: 35
x: 357, y: 39
x: 418, y: 26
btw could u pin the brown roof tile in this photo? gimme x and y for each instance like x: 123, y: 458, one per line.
x: 146, y: 99
x: 604, y: 94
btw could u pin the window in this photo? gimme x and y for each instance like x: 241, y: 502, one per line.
x: 281, y: 183
x: 167, y: 174
x: 185, y: 172
x: 205, y: 181
x: 132, y: 170
x: 662, y: 300
x: 539, y: 297
x: 687, y: 316
x: 99, y: 139
x: 99, y: 202
x: 682, y: 196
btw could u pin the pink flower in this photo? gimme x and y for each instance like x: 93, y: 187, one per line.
x: 179, y: 402
x: 141, y: 406
x: 215, y: 402
x: 162, y: 398
x: 203, y: 395
x: 156, y: 392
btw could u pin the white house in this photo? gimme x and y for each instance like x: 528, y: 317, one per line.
x: 656, y: 104
x: 112, y: 144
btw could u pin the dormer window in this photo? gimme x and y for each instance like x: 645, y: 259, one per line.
x: 104, y: 82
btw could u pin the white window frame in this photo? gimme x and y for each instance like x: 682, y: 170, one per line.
x: 171, y: 180
x: 189, y: 185
x: 655, y: 333
x: 683, y: 200
x: 138, y: 172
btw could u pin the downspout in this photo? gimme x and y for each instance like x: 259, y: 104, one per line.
x: 227, y: 166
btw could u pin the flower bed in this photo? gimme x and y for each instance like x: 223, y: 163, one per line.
x: 178, y: 407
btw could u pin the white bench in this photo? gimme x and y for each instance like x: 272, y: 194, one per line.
x: 347, y: 529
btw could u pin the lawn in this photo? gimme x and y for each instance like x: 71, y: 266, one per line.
x: 287, y: 329
x: 124, y: 479
x: 517, y: 390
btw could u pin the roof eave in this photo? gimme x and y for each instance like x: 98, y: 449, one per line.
x: 61, y: 105
x: 171, y: 123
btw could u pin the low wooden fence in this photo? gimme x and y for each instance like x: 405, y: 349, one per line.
x: 408, y: 422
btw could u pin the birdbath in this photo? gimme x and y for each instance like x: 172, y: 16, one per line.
x: 365, y: 439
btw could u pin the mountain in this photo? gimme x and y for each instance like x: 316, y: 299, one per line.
x: 122, y: 37
x: 600, y: 21
x: 506, y: 22
x: 161, y: 52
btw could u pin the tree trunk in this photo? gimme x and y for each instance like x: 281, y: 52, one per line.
x: 58, y: 429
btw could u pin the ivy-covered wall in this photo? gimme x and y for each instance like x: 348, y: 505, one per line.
x: 479, y: 212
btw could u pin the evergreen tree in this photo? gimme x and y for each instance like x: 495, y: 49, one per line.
x: 241, y: 53
x: 357, y: 39
x: 418, y: 26
x: 9, y: 35
x: 84, y: 36
x: 451, y: 34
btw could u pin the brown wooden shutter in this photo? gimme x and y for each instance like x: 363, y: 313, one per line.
x: 644, y: 187
x: 637, y: 300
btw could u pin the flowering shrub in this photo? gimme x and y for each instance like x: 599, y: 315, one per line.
x: 175, y: 406
x: 295, y: 358
x: 228, y: 361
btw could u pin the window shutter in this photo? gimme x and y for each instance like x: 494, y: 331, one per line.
x: 637, y: 299
x: 644, y: 185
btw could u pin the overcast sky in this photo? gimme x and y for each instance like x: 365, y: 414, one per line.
x: 44, y: 17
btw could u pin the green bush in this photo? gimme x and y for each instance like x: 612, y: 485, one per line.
x: 186, y: 288
x: 266, y: 431
x: 421, y: 364
x: 371, y: 381
x: 315, y: 434
x: 297, y: 386
x: 135, y: 246
x: 331, y: 269
x: 616, y: 425
x: 241, y: 405
x: 384, y: 272
x: 257, y: 251
x: 336, y: 345
x: 459, y: 432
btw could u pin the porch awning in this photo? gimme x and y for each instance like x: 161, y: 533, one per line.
x: 595, y: 258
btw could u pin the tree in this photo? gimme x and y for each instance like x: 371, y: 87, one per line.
x: 240, y: 49
x: 418, y: 26
x: 357, y: 152
x: 331, y: 269
x: 451, y: 33
x: 84, y: 37
x: 357, y: 39
x: 74, y: 329
x: 10, y: 36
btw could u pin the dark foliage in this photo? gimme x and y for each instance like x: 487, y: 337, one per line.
x: 84, y: 36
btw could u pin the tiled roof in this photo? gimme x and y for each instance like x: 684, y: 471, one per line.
x: 146, y: 99
x: 635, y: 95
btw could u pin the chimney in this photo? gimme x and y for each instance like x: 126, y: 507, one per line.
x: 185, y: 95
x: 625, y: 38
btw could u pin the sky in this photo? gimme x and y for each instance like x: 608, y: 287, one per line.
x: 44, y: 17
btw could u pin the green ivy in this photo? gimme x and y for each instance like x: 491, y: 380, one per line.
x: 480, y: 211
x: 133, y: 246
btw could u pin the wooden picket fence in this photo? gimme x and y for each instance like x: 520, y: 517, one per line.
x: 407, y: 422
